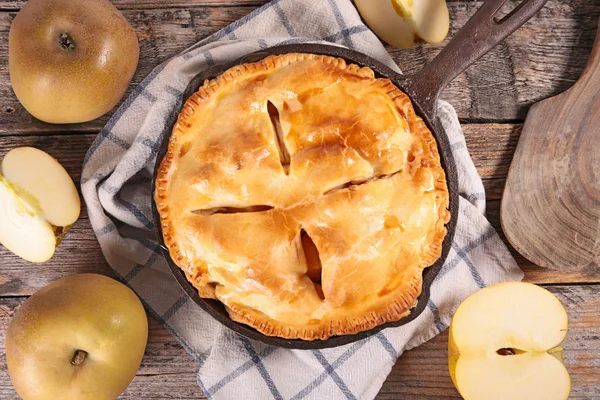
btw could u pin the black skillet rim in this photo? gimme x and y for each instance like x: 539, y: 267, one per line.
x: 216, y: 308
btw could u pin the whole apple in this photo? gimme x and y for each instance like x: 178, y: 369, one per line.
x: 70, y: 60
x: 80, y: 337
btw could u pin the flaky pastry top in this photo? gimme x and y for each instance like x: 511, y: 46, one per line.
x: 304, y: 194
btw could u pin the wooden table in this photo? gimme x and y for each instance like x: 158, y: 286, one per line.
x: 541, y: 59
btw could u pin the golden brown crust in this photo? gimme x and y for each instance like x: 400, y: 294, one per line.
x: 392, y: 311
x: 376, y: 163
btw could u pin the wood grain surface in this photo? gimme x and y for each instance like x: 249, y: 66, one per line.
x: 551, y: 206
x: 542, y: 59
x: 168, y: 372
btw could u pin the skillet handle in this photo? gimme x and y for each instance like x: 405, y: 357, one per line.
x: 478, y: 36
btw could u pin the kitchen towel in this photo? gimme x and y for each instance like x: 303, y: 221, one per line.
x: 116, y: 181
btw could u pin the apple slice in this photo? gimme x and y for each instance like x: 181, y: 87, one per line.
x: 400, y: 22
x: 431, y: 18
x: 22, y: 230
x: 44, y: 183
x: 38, y: 201
x: 504, y: 344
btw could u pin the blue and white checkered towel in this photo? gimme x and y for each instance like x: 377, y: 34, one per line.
x: 116, y: 186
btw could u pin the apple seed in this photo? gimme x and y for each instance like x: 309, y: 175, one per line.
x: 506, y: 352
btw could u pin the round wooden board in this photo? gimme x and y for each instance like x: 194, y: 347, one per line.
x: 550, y: 208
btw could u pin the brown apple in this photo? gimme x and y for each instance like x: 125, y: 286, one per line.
x: 81, y: 337
x: 71, y: 60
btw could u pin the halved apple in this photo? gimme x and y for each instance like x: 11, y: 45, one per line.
x: 400, y: 22
x: 505, y: 344
x: 38, y: 203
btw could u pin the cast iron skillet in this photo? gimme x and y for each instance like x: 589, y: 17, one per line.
x: 479, y: 35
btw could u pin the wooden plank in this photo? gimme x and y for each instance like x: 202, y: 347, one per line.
x: 541, y: 59
x: 423, y: 372
x: 13, y: 5
x: 80, y: 251
x: 490, y: 146
x: 162, y: 35
x: 168, y: 372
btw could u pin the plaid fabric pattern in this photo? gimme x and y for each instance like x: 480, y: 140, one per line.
x: 116, y: 187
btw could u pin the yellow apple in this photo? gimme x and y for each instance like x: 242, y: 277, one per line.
x: 38, y: 203
x: 400, y: 22
x: 81, y: 337
x: 70, y: 60
x: 505, y: 344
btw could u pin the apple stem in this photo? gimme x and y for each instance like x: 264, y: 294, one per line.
x: 78, y: 357
x: 66, y: 41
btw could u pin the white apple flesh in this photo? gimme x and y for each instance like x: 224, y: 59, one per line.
x: 431, y: 19
x: 81, y: 337
x: 504, y: 342
x: 38, y: 203
x: 22, y: 231
x: 40, y: 179
x: 400, y: 22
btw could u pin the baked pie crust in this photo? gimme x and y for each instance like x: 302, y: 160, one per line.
x: 305, y: 195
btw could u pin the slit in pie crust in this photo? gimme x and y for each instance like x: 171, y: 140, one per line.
x: 304, y: 194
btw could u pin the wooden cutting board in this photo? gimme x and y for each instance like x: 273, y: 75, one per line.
x: 550, y: 209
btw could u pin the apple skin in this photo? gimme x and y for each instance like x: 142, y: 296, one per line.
x: 66, y: 86
x: 86, y: 312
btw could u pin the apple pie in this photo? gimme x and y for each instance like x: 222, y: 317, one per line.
x: 304, y: 194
